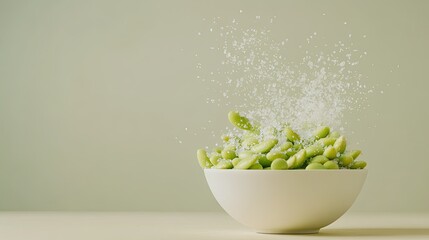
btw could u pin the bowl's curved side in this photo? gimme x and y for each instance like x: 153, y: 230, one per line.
x: 285, y: 201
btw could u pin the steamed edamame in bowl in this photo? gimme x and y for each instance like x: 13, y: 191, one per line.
x: 279, y: 149
x: 303, y: 184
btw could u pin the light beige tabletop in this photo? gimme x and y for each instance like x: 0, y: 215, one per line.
x: 153, y: 226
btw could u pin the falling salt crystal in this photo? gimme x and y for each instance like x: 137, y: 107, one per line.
x: 345, y: 23
x: 258, y: 17
x: 381, y: 92
x: 199, y: 34
x: 241, y: 11
x: 211, y: 29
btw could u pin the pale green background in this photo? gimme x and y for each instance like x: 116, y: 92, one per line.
x: 94, y: 93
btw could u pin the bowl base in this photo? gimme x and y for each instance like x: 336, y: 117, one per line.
x: 292, y: 232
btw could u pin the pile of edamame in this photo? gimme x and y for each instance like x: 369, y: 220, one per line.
x: 252, y: 150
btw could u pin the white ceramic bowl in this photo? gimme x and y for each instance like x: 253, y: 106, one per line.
x: 285, y: 201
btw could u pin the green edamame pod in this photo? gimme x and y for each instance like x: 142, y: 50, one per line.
x: 291, y: 162
x: 265, y: 146
x: 224, y: 164
x: 297, y: 147
x: 235, y: 161
x: 328, y: 141
x: 214, y: 158
x: 264, y: 161
x: 279, y: 164
x: 267, y: 168
x: 334, y: 134
x: 294, y: 149
x: 340, y: 144
x: 313, y: 150
x: 203, y: 159
x: 245, y: 154
x: 245, y: 163
x: 256, y: 166
x: 275, y: 154
x: 291, y: 135
x: 345, y: 160
x: 249, y: 142
x: 217, y: 149
x: 239, y: 121
x: 301, y: 156
x: 355, y: 153
x: 358, y: 165
x: 285, y: 146
x: 291, y: 152
x: 225, y: 138
x: 331, y: 165
x: 228, y: 153
x: 314, y: 166
x: 330, y: 152
x: 319, y: 159
x: 321, y: 132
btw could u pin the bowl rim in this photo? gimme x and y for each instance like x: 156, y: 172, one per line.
x: 286, y: 170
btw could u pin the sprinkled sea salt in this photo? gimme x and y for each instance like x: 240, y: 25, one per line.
x: 314, y: 89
